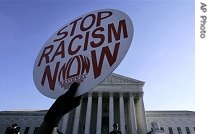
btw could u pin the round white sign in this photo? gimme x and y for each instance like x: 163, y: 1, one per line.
x: 86, y: 50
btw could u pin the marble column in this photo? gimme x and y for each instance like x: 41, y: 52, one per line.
x: 64, y: 123
x: 21, y: 123
x: 3, y: 130
x: 31, y: 130
x: 76, y: 119
x: 122, y: 114
x: 132, y: 114
x: 88, y: 115
x: 99, y: 114
x: 111, y: 112
x: 141, y: 118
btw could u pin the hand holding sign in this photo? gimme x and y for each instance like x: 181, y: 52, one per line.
x: 62, y: 105
x: 85, y: 50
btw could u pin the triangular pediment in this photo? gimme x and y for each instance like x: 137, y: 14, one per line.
x: 119, y: 79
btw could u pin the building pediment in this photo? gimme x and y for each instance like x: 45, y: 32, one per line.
x: 119, y: 79
x: 116, y: 83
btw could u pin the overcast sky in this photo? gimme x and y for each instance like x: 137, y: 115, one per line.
x: 161, y: 53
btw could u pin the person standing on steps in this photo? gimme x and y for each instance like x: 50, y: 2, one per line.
x: 13, y: 130
x: 115, y: 131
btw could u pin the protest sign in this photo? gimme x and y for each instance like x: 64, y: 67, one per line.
x: 86, y: 50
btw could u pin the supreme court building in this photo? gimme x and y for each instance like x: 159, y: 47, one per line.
x: 118, y: 99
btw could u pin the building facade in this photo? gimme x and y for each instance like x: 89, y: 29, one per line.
x: 172, y: 122
x: 118, y: 99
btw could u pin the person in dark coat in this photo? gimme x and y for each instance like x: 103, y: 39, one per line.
x: 115, y: 131
x: 13, y: 130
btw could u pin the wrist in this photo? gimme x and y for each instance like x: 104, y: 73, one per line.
x: 53, y: 117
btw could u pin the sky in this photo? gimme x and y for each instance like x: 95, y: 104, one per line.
x: 162, y: 53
